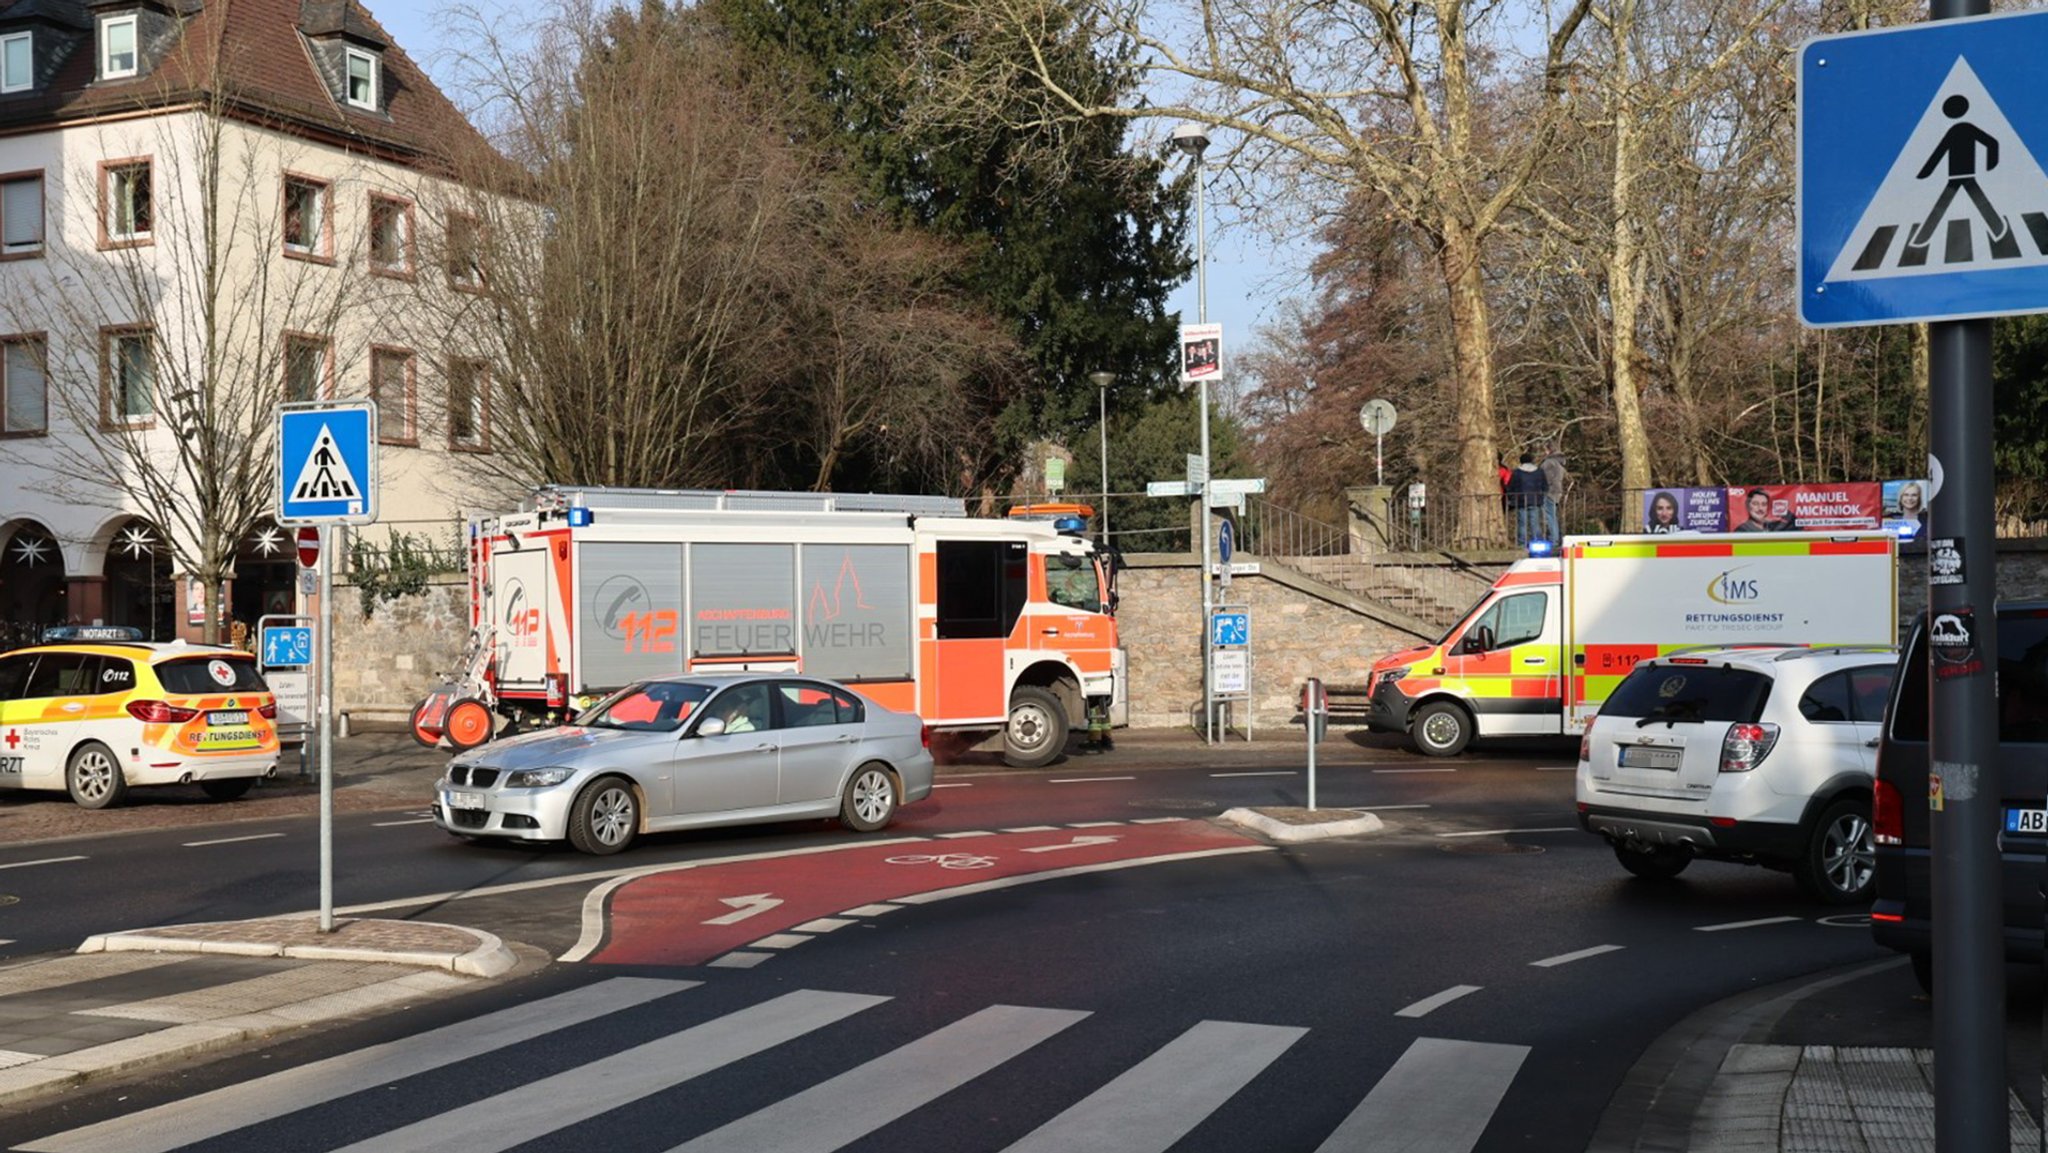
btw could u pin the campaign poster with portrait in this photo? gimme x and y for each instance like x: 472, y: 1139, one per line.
x: 1905, y: 507
x: 1673, y: 510
x: 1795, y: 507
x: 1201, y: 352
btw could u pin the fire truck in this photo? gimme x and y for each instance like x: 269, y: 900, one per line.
x: 976, y: 624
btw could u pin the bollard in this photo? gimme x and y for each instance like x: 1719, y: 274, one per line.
x: 1315, y: 715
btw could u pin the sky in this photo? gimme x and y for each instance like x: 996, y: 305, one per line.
x: 1250, y: 276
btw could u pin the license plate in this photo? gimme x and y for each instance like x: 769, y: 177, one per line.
x: 2034, y: 821
x: 224, y: 720
x: 1650, y: 757
x: 11, y: 766
x: 473, y: 802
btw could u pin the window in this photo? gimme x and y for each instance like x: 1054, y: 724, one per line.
x: 362, y: 78
x: 465, y: 252
x: 744, y: 708
x: 196, y: 676
x: 391, y: 386
x: 58, y: 675
x: 1514, y: 620
x: 807, y: 705
x: 117, y: 47
x: 17, y: 62
x: 1826, y: 701
x: 25, y: 406
x: 1869, y: 688
x: 125, y: 195
x: 307, y: 360
x: 129, y: 376
x: 306, y: 226
x: 21, y: 215
x: 390, y: 236
x: 14, y: 676
x: 469, y: 404
x: 1692, y: 693
x: 982, y: 587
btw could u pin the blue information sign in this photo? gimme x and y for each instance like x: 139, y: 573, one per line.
x: 1920, y: 193
x: 287, y: 645
x: 327, y: 463
x: 1230, y: 629
x: 1224, y: 541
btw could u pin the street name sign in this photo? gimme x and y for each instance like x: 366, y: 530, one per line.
x: 1921, y: 197
x: 327, y: 463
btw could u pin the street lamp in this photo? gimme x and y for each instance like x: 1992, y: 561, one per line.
x: 1193, y: 140
x: 1102, y: 382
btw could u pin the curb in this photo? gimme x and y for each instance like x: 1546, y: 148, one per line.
x: 490, y: 957
x: 1351, y: 826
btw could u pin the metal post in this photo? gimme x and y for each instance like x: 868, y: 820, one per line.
x: 1969, y: 949
x: 1308, y: 715
x: 1102, y: 418
x: 1202, y: 570
x: 325, y: 638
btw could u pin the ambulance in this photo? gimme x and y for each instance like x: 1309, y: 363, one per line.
x: 94, y: 717
x: 975, y: 624
x: 1544, y: 647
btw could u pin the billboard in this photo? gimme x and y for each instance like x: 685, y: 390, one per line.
x: 1790, y: 507
x: 1668, y: 510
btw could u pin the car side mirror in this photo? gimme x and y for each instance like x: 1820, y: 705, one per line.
x: 1477, y: 641
x: 711, y: 727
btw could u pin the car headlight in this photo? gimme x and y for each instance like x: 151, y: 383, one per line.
x: 1390, y: 676
x: 537, y: 778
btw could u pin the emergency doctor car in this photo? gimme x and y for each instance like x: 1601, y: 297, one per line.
x: 96, y: 717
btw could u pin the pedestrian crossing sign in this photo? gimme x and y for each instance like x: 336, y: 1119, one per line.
x: 1920, y: 193
x: 327, y: 463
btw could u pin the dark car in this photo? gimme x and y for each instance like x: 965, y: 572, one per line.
x: 1904, y: 886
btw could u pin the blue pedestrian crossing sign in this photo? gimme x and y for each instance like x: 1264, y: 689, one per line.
x: 327, y: 463
x: 1920, y: 195
x: 285, y: 646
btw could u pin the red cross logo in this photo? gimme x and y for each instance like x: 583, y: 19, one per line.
x: 13, y: 738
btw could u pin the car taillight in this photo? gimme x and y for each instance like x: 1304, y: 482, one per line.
x: 924, y: 734
x: 160, y: 712
x: 267, y: 712
x: 1586, y: 745
x: 1887, y: 816
x: 1746, y: 746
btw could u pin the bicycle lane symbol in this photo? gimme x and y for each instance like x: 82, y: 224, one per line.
x: 659, y: 919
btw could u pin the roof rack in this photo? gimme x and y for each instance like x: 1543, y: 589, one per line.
x: 1831, y: 650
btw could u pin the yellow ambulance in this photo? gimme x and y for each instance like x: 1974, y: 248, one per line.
x: 94, y: 717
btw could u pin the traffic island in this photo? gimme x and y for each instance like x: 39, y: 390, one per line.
x: 457, y: 949
x: 1293, y: 823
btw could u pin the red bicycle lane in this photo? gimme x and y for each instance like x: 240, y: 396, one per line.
x: 695, y: 914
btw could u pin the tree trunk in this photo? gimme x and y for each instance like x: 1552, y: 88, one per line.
x: 1624, y: 300
x: 1479, y: 506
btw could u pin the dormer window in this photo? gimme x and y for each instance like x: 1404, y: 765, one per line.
x: 17, y: 62
x: 362, y: 79
x: 118, y: 56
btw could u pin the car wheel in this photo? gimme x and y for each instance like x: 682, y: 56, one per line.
x: 870, y: 799
x: 94, y: 778
x: 228, y: 788
x: 1037, y: 731
x: 1659, y: 864
x: 1441, y: 729
x: 1839, y: 861
x: 605, y: 819
x: 468, y: 724
x: 1923, y: 972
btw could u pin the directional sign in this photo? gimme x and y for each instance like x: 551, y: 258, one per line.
x: 1223, y: 486
x: 1171, y: 488
x: 1920, y: 195
x: 1230, y: 629
x: 327, y: 463
x: 286, y: 646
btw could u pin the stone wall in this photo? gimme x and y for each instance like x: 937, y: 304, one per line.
x: 386, y: 662
x: 1294, y: 636
x: 2022, y: 575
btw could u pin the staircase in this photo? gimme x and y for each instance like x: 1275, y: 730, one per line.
x: 1437, y: 592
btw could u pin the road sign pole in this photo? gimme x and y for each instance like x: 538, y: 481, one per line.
x: 326, y: 727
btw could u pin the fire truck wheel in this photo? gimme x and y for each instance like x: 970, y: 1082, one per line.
x: 1441, y: 729
x: 605, y: 818
x: 870, y: 799
x: 468, y: 723
x: 427, y: 736
x: 1037, y: 732
x: 94, y: 778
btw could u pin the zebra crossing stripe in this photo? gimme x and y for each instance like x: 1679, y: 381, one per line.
x: 209, y: 1115
x: 848, y: 1107
x: 1439, y: 1096
x: 519, y: 1115
x: 1158, y: 1101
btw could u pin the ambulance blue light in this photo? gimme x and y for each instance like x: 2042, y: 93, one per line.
x: 579, y: 517
x: 1541, y: 548
x: 1070, y: 525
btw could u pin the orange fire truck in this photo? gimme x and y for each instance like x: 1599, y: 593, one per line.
x: 976, y: 624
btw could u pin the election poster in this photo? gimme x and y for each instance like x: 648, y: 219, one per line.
x: 1674, y: 510
x: 1201, y: 352
x: 1905, y: 507
x: 1793, y: 507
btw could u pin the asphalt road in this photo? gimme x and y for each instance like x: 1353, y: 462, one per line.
x: 1480, y: 963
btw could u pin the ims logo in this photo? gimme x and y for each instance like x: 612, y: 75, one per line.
x: 1725, y: 588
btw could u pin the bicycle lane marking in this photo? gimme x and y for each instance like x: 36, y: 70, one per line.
x: 662, y: 919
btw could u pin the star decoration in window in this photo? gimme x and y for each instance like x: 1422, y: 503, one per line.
x: 31, y: 550
x: 268, y: 540
x: 136, y: 541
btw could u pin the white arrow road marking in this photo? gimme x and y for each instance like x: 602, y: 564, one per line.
x: 744, y: 907
x: 1076, y: 843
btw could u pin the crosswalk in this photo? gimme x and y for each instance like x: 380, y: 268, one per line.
x: 1440, y: 1094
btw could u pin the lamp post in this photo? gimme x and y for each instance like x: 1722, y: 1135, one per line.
x: 1193, y: 140
x: 1102, y: 382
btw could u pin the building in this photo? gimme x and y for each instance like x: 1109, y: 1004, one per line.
x: 208, y: 207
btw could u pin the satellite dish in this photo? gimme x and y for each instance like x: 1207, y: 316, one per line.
x: 1377, y: 417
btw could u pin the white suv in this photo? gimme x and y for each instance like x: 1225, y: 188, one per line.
x: 1760, y: 756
